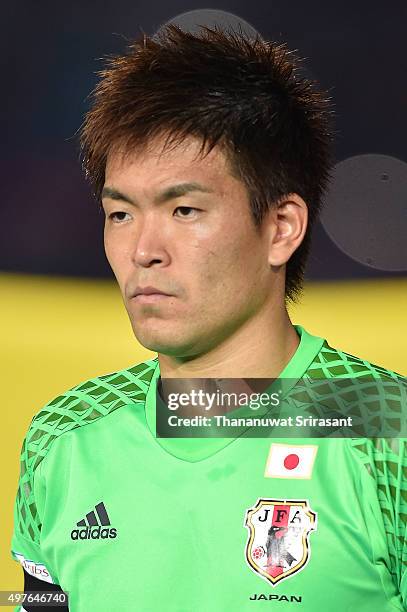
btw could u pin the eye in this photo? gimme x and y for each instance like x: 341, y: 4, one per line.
x: 186, y: 208
x: 119, y: 216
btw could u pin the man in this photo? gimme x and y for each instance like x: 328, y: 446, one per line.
x: 210, y: 156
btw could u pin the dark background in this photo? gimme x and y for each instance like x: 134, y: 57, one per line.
x: 51, y: 52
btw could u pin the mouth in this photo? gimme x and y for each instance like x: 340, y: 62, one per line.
x: 150, y: 298
x: 148, y: 294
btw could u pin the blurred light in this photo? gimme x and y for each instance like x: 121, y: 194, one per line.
x: 366, y: 211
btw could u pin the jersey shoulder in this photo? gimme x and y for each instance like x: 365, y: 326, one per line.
x: 78, y: 407
x: 332, y: 362
x: 374, y: 397
x: 84, y: 404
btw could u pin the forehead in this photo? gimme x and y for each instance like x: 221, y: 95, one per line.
x: 153, y: 164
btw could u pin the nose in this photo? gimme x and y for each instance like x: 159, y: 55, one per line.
x: 149, y: 248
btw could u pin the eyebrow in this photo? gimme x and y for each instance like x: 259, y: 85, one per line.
x: 174, y: 191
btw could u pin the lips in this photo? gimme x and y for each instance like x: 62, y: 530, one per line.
x: 148, y: 291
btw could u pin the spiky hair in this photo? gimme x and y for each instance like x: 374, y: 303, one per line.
x: 243, y: 94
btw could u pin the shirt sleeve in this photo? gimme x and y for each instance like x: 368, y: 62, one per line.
x: 392, y: 493
x: 385, y: 461
x: 26, y: 535
x: 397, y: 479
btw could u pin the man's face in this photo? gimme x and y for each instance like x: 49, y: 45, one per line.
x: 201, y: 248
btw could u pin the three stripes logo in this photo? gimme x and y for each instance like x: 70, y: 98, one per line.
x: 93, y: 529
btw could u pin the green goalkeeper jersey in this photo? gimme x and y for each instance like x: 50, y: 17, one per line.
x: 123, y: 520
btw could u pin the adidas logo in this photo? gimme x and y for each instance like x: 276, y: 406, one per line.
x: 91, y: 528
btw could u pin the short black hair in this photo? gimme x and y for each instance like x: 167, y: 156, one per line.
x: 228, y: 89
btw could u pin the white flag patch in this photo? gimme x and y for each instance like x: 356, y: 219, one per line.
x: 285, y: 461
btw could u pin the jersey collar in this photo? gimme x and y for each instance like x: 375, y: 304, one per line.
x: 197, y: 449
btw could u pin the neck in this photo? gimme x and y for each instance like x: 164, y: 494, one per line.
x: 260, y: 348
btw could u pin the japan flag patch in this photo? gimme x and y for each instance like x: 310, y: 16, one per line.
x: 289, y: 461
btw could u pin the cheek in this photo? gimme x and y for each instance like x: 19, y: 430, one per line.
x: 220, y: 273
x: 108, y: 246
x: 111, y: 254
x: 117, y: 258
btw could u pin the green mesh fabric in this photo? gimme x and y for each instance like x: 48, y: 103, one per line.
x: 332, y: 362
x: 81, y: 405
x: 385, y: 459
x: 339, y: 384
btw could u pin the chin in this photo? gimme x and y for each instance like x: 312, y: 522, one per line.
x: 160, y: 342
x: 153, y: 339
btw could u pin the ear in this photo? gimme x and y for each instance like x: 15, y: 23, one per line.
x: 288, y: 227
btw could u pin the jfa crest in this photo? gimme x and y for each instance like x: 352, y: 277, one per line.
x: 278, y: 543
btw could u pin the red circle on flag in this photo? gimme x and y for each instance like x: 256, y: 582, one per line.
x: 291, y: 461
